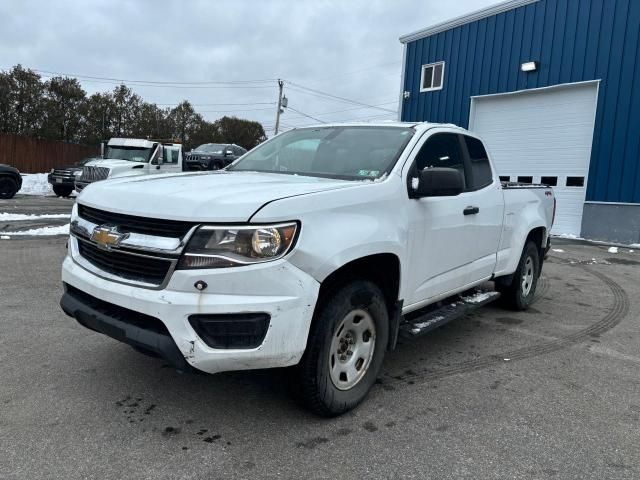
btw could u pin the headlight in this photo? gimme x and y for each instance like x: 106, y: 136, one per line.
x: 78, y: 173
x: 205, y: 157
x: 233, y: 246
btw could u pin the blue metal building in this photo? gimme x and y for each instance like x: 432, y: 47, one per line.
x: 554, y: 88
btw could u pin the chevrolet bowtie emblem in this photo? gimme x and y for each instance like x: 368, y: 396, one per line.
x: 107, y: 236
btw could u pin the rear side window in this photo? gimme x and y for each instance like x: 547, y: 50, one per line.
x: 480, y: 167
x: 441, y: 150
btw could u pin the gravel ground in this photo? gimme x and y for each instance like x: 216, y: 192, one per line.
x: 553, y: 392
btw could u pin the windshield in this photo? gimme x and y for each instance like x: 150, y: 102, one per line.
x: 211, y: 148
x: 350, y: 153
x: 131, y: 154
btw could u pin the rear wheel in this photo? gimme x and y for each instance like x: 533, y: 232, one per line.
x: 521, y: 289
x: 62, y: 190
x: 8, y: 187
x: 345, y: 349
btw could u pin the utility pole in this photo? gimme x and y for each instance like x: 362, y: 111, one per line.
x: 280, y: 87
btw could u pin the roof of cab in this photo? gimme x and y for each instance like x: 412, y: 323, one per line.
x: 417, y: 125
x: 131, y: 142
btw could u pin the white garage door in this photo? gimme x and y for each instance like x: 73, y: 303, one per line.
x: 542, y: 136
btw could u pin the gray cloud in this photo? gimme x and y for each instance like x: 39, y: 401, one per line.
x: 347, y: 48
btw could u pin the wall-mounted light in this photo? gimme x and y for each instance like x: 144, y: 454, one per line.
x: 406, y: 94
x: 529, y: 66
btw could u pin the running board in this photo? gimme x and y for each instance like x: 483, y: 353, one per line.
x: 421, y: 322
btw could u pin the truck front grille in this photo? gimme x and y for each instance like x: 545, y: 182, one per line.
x: 133, y: 224
x: 63, y: 173
x: 129, y: 266
x: 93, y: 174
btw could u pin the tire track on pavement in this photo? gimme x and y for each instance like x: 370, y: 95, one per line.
x: 616, y: 313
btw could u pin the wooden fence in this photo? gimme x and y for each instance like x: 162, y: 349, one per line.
x: 32, y: 155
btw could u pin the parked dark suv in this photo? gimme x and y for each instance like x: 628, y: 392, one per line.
x: 10, y: 181
x: 62, y: 179
x: 212, y: 156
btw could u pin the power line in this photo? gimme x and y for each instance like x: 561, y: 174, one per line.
x: 199, y: 87
x: 157, y: 82
x: 329, y: 95
x: 348, y: 109
x: 305, y: 115
x: 216, y: 104
x: 236, y: 110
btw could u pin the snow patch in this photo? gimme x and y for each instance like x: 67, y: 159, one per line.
x: 557, y: 250
x: 42, y: 231
x: 5, y: 237
x: 568, y: 235
x: 418, y: 327
x: 9, y: 217
x: 35, y: 184
x: 479, y: 297
x: 613, y: 250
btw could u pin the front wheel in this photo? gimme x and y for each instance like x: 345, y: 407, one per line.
x: 519, y: 293
x: 345, y: 349
x: 62, y: 191
x: 8, y: 188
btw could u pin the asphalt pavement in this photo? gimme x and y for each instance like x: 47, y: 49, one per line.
x: 553, y: 392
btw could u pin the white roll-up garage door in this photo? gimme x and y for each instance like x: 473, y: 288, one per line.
x: 543, y: 136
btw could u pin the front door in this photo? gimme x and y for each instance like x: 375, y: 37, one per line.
x: 170, y: 160
x: 452, y: 239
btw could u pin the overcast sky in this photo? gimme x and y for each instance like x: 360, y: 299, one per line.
x: 346, y: 48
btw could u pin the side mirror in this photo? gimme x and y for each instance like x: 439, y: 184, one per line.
x: 437, y: 182
x: 228, y: 153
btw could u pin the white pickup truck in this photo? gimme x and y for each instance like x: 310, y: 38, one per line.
x: 315, y: 250
x: 127, y: 157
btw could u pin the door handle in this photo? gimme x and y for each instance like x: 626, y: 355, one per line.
x: 471, y: 210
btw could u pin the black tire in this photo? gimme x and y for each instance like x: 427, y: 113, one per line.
x: 217, y: 166
x: 317, y: 390
x: 62, y: 190
x: 516, y: 294
x: 8, y: 188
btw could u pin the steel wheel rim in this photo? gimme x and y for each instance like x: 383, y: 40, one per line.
x: 352, y: 348
x: 527, y: 276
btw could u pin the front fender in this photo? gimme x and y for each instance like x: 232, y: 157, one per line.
x: 340, y: 226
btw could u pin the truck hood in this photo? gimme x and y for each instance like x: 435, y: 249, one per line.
x: 111, y: 163
x: 217, y: 196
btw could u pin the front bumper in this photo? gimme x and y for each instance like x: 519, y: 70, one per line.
x: 58, y: 180
x: 284, y: 292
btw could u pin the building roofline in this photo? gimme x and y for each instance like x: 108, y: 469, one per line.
x: 464, y: 19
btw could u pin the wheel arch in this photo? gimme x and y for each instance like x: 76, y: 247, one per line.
x: 539, y: 237
x: 383, y: 269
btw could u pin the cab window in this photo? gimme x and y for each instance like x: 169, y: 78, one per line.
x: 441, y: 150
x: 479, y: 166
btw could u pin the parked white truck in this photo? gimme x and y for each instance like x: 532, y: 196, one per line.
x: 127, y: 157
x: 314, y: 250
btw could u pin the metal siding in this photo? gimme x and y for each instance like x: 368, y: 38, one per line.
x: 574, y: 40
x: 516, y: 49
